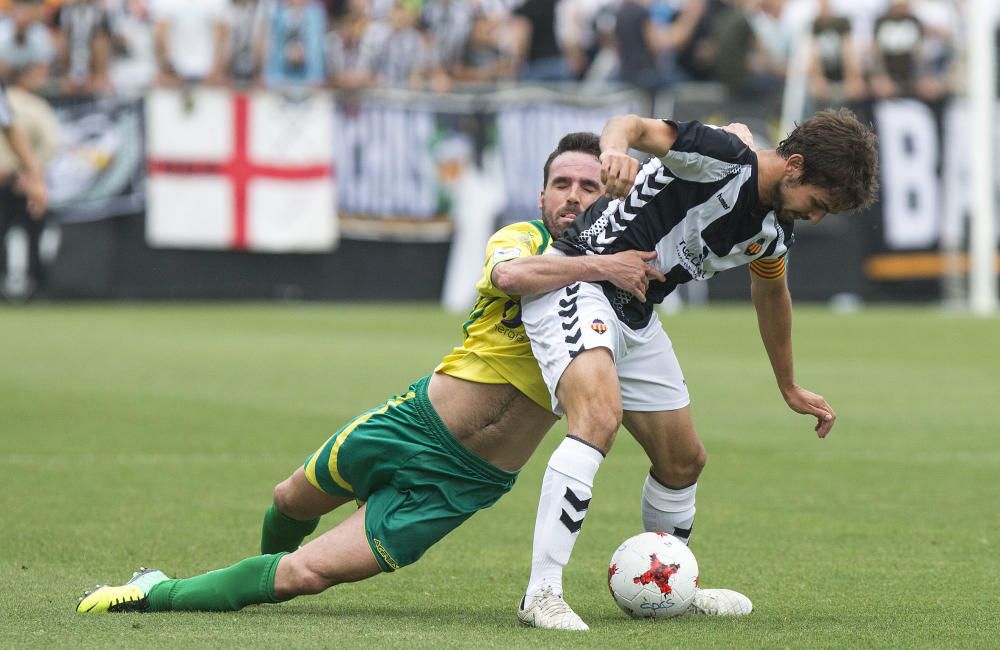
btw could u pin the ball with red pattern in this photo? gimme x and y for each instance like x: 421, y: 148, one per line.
x: 653, y: 575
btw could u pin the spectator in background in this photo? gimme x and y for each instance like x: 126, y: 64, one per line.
x: 541, y: 58
x: 25, y: 41
x: 834, y: 64
x: 586, y: 30
x: 84, y: 40
x: 294, y: 44
x: 648, y: 42
x: 484, y: 57
x: 574, y: 31
x: 400, y: 54
x: 697, y: 57
x: 742, y: 63
x: 941, y: 23
x: 246, y: 34
x: 604, y: 60
x: 31, y: 140
x: 899, y: 67
x: 349, y: 54
x: 774, y: 38
x: 133, y: 63
x: 449, y: 23
x: 191, y: 38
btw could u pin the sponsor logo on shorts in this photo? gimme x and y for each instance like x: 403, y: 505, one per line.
x: 511, y: 317
x: 385, y: 554
x: 599, y: 326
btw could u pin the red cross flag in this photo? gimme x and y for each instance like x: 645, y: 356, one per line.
x: 240, y: 171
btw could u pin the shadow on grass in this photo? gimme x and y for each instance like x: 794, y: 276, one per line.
x: 446, y: 613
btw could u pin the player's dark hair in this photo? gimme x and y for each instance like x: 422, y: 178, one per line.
x: 581, y: 141
x: 840, y: 154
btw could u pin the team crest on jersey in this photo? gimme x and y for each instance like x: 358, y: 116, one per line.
x: 599, y: 326
x: 756, y: 247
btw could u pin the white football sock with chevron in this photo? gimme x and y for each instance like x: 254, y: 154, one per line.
x: 665, y: 510
x: 566, y: 490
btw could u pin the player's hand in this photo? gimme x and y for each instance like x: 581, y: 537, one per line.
x: 618, y: 170
x: 35, y: 192
x: 631, y: 271
x: 741, y: 131
x: 806, y: 402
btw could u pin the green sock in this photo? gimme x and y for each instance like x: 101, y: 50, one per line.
x: 282, y: 533
x: 248, y: 582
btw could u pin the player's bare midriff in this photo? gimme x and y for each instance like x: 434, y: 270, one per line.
x: 497, y: 422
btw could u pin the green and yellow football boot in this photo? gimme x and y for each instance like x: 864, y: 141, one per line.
x: 133, y: 596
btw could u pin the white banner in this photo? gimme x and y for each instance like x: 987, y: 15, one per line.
x: 925, y: 172
x: 240, y: 171
x: 528, y: 133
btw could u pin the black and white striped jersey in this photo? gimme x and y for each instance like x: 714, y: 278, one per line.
x: 698, y: 207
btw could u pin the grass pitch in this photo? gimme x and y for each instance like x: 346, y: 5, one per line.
x: 153, y: 435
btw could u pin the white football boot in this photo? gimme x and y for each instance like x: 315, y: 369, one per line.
x: 549, y: 611
x: 719, y: 602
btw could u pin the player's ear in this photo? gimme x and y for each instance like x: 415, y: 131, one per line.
x: 794, y: 165
x: 541, y: 199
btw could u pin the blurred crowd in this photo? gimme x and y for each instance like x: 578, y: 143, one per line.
x: 851, y: 49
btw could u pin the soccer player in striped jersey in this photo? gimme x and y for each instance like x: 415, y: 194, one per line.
x: 427, y: 459
x: 704, y: 203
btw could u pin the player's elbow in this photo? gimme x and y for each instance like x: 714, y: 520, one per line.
x: 508, y: 278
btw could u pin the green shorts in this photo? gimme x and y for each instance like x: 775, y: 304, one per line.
x: 418, y: 481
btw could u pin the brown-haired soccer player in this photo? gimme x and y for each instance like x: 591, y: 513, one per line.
x: 704, y: 203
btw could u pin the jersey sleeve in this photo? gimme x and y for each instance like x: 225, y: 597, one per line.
x: 511, y: 242
x: 695, y: 137
x: 771, y: 265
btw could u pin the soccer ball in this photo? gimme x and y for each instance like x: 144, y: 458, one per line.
x: 653, y: 575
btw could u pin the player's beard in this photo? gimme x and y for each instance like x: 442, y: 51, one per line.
x: 557, y: 222
x: 779, y: 200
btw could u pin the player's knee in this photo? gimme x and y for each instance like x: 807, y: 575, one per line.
x: 698, y: 461
x: 284, y: 498
x: 688, y: 468
x: 597, y: 424
x: 596, y: 413
x: 608, y: 419
x: 681, y: 470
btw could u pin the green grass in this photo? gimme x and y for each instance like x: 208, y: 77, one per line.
x: 153, y: 435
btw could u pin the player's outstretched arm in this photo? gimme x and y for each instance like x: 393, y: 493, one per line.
x: 773, y: 303
x: 528, y: 276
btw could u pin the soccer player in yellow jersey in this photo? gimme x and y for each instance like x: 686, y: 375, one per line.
x: 429, y: 458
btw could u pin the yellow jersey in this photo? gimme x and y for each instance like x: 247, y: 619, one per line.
x: 496, y: 349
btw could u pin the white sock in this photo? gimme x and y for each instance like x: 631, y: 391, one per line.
x: 566, y: 491
x: 668, y: 511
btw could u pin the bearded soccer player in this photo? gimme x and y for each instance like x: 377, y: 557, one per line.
x: 429, y: 458
x: 704, y: 203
